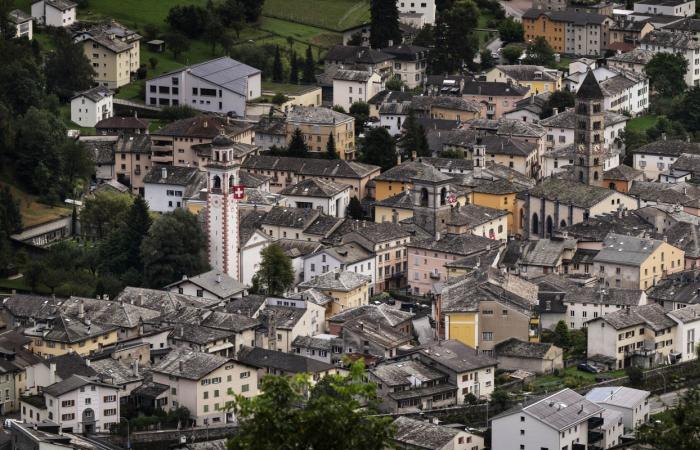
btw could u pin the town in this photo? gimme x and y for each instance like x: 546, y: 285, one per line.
x: 349, y: 224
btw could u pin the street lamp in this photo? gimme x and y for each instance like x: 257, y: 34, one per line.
x: 128, y: 435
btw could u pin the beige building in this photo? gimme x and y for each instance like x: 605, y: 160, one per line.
x: 413, y: 433
x: 347, y: 289
x: 69, y: 334
x: 205, y: 384
x: 114, y: 52
x: 317, y: 124
x: 350, y: 86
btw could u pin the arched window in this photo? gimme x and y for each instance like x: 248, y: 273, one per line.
x: 443, y: 196
x: 424, y: 197
x: 500, y: 229
x: 580, y: 162
x: 535, y: 224
x: 612, y: 186
x: 217, y: 182
x: 562, y: 223
x: 595, y: 176
x: 549, y: 226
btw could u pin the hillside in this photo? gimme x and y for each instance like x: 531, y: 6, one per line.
x: 336, y: 15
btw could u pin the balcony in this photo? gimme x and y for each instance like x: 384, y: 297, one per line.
x: 435, y: 276
x: 595, y: 422
x: 594, y: 436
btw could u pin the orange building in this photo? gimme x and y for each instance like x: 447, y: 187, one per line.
x: 541, y: 24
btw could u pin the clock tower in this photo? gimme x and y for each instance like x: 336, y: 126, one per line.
x: 223, y: 194
x: 589, y: 132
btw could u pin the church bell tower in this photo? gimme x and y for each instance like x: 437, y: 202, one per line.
x: 589, y: 132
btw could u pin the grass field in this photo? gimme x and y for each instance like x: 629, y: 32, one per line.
x: 334, y: 15
x: 552, y: 382
x: 642, y: 123
x: 32, y: 211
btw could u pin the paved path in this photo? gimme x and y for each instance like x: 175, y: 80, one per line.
x: 660, y: 403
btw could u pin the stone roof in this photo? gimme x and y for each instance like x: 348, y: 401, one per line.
x: 681, y: 287
x: 203, y: 126
x: 455, y: 356
x: 295, y: 248
x: 386, y: 337
x: 690, y: 313
x: 685, y: 236
x: 324, y: 225
x: 395, y: 108
x: 422, y: 433
x: 456, y: 244
x: 229, y: 320
x: 525, y: 72
x: 197, y: 334
x: 626, y: 250
x: 670, y: 193
x: 116, y: 371
x: 336, y: 281
x: 607, y: 296
x: 315, y: 187
x: 379, y: 232
x: 413, y: 170
x: 567, y: 192
x: 472, y: 215
x: 401, y: 373
x: 494, y: 88
x: 500, y: 187
x: 636, y: 56
x: 31, y: 306
x: 449, y: 163
x: 248, y: 305
x: 651, y: 315
x: 218, y: 283
x: 382, y: 314
x: 95, y: 94
x: 285, y: 362
x: 387, y: 96
x: 173, y: 175
x: 163, y: 301
x: 688, y: 163
x: 190, y: 364
x: 682, y: 40
x: 123, y: 123
x: 348, y: 253
x: 508, y: 127
x: 665, y: 147
x: 521, y: 349
x: 545, y: 252
x: 108, y: 312
x: 109, y: 42
x: 70, y: 364
x: 319, y: 342
x: 622, y: 172
x: 70, y: 330
x: 102, y: 149
x: 402, y: 200
x: 281, y: 216
x: 352, y: 75
x: 316, y: 115
x: 568, y: 16
x: 407, y: 52
x: 567, y: 119
x: 313, y: 167
x: 18, y: 16
x: 355, y: 54
x: 72, y: 383
x: 596, y: 228
x: 426, y: 103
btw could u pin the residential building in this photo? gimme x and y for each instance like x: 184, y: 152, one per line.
x: 521, y: 154
x: 586, y: 303
x: 379, y: 316
x: 636, y: 263
x: 446, y: 107
x: 362, y: 338
x: 289, y: 364
x: 114, y: 52
x: 622, y: 177
x: 392, y: 115
x: 314, y: 193
x: 633, y: 61
x: 388, y: 242
x: 409, y: 63
x: 543, y: 256
x: 286, y: 171
x: 23, y: 22
x: 350, y: 86
x: 677, y: 291
x: 221, y: 85
x: 300, y: 224
x: 625, y: 34
x: 624, y: 91
x: 91, y: 106
x: 427, y: 257
x: 500, y: 194
x: 479, y: 221
x: 321, y: 347
x: 114, y: 126
x: 656, y: 157
x: 537, y: 78
x: 297, y: 250
x: 54, y: 13
x: 317, y: 124
x: 529, y: 109
x: 168, y: 188
x: 562, y: 420
x: 677, y: 42
x: 499, y: 97
x: 568, y: 31
x: 204, y: 383
x: 687, y: 328
x: 535, y: 357
x: 270, y: 132
x: 413, y: 433
x: 683, y: 8
x: 347, y: 289
x: 64, y: 334
x: 212, y: 284
x: 350, y: 256
x: 360, y: 58
x: 77, y: 404
x: 132, y: 161
x: 637, y: 336
x: 426, y: 9
x: 633, y: 404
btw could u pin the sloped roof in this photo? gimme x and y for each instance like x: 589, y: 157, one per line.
x: 423, y: 434
x: 224, y: 72
x: 108, y: 312
x: 590, y: 89
x: 315, y: 187
x: 310, y: 166
x: 286, y: 362
x: 521, y: 349
x: 382, y: 314
x: 545, y: 252
x: 219, y: 283
x: 455, y: 355
x: 567, y: 192
x: 626, y: 250
x: 336, y: 281
x: 69, y: 330
x: 651, y: 315
x: 190, y: 364
x: 525, y: 72
x: 316, y: 115
x: 72, y: 383
x: 622, y: 172
x: 623, y: 396
x: 472, y: 215
x: 457, y: 244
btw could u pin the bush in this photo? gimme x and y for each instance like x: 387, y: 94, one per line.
x: 179, y: 112
x: 635, y: 375
x: 142, y: 73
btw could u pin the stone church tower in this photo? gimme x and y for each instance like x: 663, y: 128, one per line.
x: 589, y: 132
x: 222, y: 207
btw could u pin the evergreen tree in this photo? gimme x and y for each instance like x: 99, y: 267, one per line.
x: 67, y: 68
x: 330, y: 147
x: 294, y: 68
x: 277, y: 71
x: 355, y: 210
x: 10, y: 217
x: 276, y: 274
x: 539, y: 52
x: 379, y: 149
x: 297, y: 145
x: 414, y: 138
x: 560, y: 338
x: 309, y: 75
x: 384, y: 24
x: 455, y: 41
x: 135, y: 229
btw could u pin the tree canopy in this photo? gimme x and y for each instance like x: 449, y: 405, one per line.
x: 666, y: 72
x: 379, y: 148
x: 678, y: 429
x: 511, y: 30
x: 454, y: 38
x: 297, y: 144
x: 384, y: 23
x: 539, y: 52
x: 276, y: 274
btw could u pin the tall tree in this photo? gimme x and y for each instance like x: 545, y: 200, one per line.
x: 384, y: 23
x: 512, y: 53
x: 191, y: 20
x: 455, y: 41
x: 297, y: 145
x: 103, y: 213
x: 309, y: 73
x: 559, y: 100
x: 336, y: 413
x: 231, y: 12
x: 511, y: 30
x: 122, y: 251
x: 276, y: 274
x: 331, y: 152
x: 487, y: 59
x: 688, y: 111
x: 355, y: 210
x: 678, y: 428
x: 379, y: 148
x: 21, y: 78
x: 67, y: 68
x: 294, y: 68
x: 175, y: 246
x: 77, y: 163
x: 10, y: 217
x: 539, y: 52
x: 666, y: 72
x: 177, y: 43
x: 414, y: 138
x: 213, y: 33
x: 360, y: 112
x: 252, y: 9
x: 277, y: 70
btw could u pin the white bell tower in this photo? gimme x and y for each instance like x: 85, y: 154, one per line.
x: 223, y: 193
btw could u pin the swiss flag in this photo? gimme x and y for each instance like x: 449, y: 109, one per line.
x: 238, y: 191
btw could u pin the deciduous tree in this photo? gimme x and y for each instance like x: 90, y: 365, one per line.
x: 177, y: 43
x: 276, y: 274
x: 539, y: 52
x: 511, y: 30
x: 414, y: 138
x: 678, y: 429
x: 666, y: 72
x: 379, y: 148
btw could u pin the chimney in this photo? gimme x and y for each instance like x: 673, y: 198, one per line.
x: 135, y: 368
x: 218, y: 278
x: 180, y: 366
x: 398, y: 160
x: 139, y: 300
x: 337, y: 275
x: 437, y: 235
x: 81, y: 310
x: 362, y: 325
x: 52, y: 373
x: 87, y: 362
x: 164, y: 173
x: 555, y: 111
x: 204, y: 124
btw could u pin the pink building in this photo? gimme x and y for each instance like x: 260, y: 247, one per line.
x: 427, y: 257
x: 498, y: 98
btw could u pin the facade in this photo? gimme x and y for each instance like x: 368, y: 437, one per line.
x: 114, y: 52
x: 679, y: 42
x: 350, y: 256
x: 54, y: 13
x: 568, y: 31
x: 410, y: 63
x: 346, y: 289
x: 633, y: 61
x: 350, y: 86
x: 168, y: 188
x: 535, y: 357
x: 561, y: 135
x: 624, y: 92
x: 317, y: 124
x: 587, y: 303
x: 212, y: 284
x: 221, y: 85
x: 632, y: 404
x: 426, y: 9
x: 657, y: 157
x: 688, y: 327
x: 537, y: 78
x: 680, y: 8
x: 412, y: 433
x: 499, y: 97
x: 91, y: 106
x: 23, y: 22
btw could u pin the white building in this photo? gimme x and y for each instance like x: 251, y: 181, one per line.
x: 220, y: 85
x: 558, y: 421
x: 426, y: 8
x: 252, y: 243
x: 678, y: 42
x: 633, y: 404
x: 89, y: 107
x: 585, y: 304
x: 23, y: 22
x: 316, y: 193
x: 687, y: 331
x: 212, y: 284
x: 77, y: 404
x: 54, y: 13
x: 410, y: 63
x: 556, y: 160
x: 393, y: 115
x: 167, y: 188
x: 624, y: 91
x: 350, y: 256
x: 350, y: 86
x: 682, y: 8
x: 657, y: 157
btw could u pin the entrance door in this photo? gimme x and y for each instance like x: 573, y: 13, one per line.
x: 88, y: 421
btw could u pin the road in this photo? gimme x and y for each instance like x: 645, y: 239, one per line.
x: 660, y: 403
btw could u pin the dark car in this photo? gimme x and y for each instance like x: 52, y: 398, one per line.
x: 585, y: 367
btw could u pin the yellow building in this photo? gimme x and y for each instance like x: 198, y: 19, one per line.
x: 68, y: 334
x: 114, y: 53
x: 499, y: 195
x: 346, y: 289
x: 317, y: 124
x: 538, y: 79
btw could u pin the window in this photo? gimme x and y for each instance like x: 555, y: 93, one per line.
x: 110, y: 412
x: 109, y: 398
x: 207, y: 92
x: 173, y: 391
x: 245, y: 374
x: 487, y: 336
x: 245, y: 388
x: 67, y: 403
x: 67, y: 417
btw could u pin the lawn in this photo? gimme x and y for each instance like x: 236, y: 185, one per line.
x: 304, y: 34
x: 335, y: 15
x: 284, y: 88
x: 642, y: 123
x: 64, y: 114
x: 33, y: 212
x: 569, y: 376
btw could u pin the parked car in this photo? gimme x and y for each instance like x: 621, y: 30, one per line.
x: 590, y: 368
